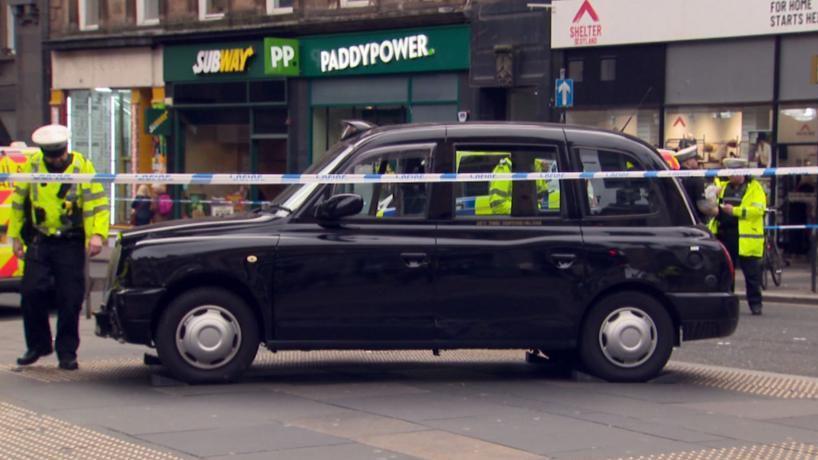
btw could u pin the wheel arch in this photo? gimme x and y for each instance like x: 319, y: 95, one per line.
x: 208, y: 280
x: 640, y: 288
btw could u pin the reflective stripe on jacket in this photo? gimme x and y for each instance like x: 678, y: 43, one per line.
x: 58, y: 208
x: 750, y: 214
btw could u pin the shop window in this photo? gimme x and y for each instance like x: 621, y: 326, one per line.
x: 382, y: 200
x: 270, y: 121
x: 212, y: 9
x: 8, y: 37
x: 89, y: 14
x: 437, y: 113
x: 268, y: 91
x: 100, y: 122
x: 279, y: 6
x: 215, y: 141
x: 501, y: 197
x: 617, y: 197
x: 210, y: 93
x: 575, y: 70
x: 147, y: 12
x: 354, y: 3
x: 607, y: 68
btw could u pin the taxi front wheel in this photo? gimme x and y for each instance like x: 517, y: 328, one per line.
x: 626, y: 337
x: 207, y: 335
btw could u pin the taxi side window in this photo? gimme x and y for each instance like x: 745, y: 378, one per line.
x: 503, y: 197
x: 617, y: 197
x: 386, y: 200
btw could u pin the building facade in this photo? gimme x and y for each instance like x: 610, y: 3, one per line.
x: 23, y: 75
x: 190, y: 85
x: 747, y: 87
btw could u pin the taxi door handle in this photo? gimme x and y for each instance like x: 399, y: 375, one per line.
x: 415, y: 259
x: 563, y: 261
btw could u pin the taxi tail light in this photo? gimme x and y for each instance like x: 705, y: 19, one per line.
x: 729, y: 260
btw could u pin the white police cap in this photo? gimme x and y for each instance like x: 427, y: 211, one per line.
x: 51, y: 137
x: 735, y: 163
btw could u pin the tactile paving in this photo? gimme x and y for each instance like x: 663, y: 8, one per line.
x: 779, y: 451
x: 746, y: 381
x: 27, y: 435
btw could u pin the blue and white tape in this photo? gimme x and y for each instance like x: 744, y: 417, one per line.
x: 267, y: 179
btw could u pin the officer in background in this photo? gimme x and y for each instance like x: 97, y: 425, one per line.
x: 695, y: 187
x: 740, y: 226
x: 500, y: 189
x: 67, y: 219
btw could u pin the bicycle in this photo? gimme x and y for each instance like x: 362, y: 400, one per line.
x: 772, y: 264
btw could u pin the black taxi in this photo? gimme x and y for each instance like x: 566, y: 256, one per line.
x: 613, y: 271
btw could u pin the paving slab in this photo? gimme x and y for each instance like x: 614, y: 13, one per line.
x: 338, y: 451
x: 420, y: 407
x: 241, y: 440
x: 758, y: 409
x: 352, y: 424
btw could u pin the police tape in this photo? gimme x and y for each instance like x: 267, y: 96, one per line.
x: 286, y: 179
x: 792, y: 227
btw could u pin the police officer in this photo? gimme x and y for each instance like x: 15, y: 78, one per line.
x: 695, y: 186
x: 67, y: 219
x: 740, y: 226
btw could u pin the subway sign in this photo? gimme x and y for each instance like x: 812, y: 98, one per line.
x: 413, y: 50
x: 219, y: 61
x: 232, y: 60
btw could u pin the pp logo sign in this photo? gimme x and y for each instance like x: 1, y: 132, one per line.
x: 281, y: 57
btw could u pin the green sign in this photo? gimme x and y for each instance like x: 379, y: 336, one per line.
x: 281, y: 57
x: 157, y: 122
x: 394, y: 51
x: 214, y: 61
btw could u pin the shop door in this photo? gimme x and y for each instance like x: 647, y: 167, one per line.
x: 798, y: 196
x: 269, y: 157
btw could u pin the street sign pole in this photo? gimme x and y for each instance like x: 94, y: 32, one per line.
x: 563, y: 94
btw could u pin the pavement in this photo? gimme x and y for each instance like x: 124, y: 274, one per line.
x: 796, y: 286
x: 476, y: 404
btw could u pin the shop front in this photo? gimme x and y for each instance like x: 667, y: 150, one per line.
x: 229, y: 116
x: 101, y: 95
x: 618, y: 88
x: 386, y: 77
x: 797, y: 140
x: 711, y: 105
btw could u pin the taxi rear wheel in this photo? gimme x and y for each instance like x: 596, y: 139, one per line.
x: 626, y: 337
x: 207, y: 335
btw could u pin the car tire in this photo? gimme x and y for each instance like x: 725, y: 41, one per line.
x: 626, y: 337
x: 207, y: 336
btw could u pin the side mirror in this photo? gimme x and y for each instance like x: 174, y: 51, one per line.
x: 339, y: 206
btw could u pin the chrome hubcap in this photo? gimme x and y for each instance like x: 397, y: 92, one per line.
x: 628, y: 337
x: 208, y: 337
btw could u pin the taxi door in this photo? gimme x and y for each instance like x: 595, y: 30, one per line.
x: 510, y: 266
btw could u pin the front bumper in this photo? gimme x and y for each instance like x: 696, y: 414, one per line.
x: 706, y: 316
x: 128, y: 314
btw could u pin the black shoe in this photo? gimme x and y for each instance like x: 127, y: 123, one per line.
x: 69, y: 364
x: 31, y: 357
x: 756, y: 310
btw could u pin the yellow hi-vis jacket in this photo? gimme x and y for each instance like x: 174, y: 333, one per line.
x: 750, y: 214
x: 500, y: 190
x: 80, y: 206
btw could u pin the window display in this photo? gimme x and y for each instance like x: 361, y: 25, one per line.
x: 719, y: 132
x: 643, y: 124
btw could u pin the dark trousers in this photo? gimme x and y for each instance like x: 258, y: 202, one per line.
x: 750, y: 266
x: 54, y: 276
